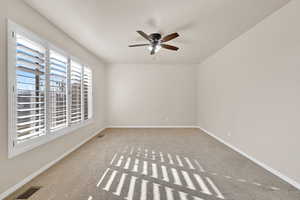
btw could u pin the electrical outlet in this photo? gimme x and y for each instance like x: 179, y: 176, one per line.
x: 228, y: 133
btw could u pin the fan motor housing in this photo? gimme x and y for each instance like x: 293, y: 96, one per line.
x: 155, y: 36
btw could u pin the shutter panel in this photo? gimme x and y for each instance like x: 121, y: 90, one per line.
x: 30, y: 89
x: 87, y: 93
x: 58, y: 65
x: 76, y: 87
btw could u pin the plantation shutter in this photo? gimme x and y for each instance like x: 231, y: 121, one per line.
x: 49, y: 91
x: 76, y: 87
x: 58, y: 66
x: 87, y: 93
x: 30, y: 89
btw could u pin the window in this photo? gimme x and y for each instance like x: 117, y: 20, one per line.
x: 87, y: 92
x: 30, y: 89
x: 76, y: 90
x: 50, y: 93
x: 58, y: 66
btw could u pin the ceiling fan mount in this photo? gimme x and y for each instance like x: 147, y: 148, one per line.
x: 155, y: 36
x: 156, y: 41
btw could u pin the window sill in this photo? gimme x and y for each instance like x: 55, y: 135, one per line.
x: 36, y: 142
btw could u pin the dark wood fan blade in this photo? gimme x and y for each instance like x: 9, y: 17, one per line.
x: 170, y: 47
x: 170, y: 37
x: 144, y: 35
x: 138, y: 45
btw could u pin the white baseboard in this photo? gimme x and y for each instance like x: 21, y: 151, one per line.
x: 41, y: 170
x: 266, y: 167
x: 151, y: 126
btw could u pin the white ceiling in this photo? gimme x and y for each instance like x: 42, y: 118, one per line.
x: 107, y: 27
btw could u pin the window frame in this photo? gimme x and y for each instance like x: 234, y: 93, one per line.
x: 15, y: 148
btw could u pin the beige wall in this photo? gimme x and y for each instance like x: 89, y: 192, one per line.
x: 251, y: 90
x: 152, y: 95
x: 14, y: 170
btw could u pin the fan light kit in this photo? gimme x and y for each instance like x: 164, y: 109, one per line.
x: 157, y: 42
x: 156, y: 49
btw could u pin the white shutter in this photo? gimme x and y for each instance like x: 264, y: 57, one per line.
x: 48, y: 91
x: 58, y: 66
x: 76, y: 87
x: 30, y: 89
x: 87, y: 93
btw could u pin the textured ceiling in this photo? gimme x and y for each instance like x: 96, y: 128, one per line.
x: 107, y: 27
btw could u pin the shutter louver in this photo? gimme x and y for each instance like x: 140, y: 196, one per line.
x: 58, y: 66
x: 87, y: 93
x: 30, y: 89
x: 76, y: 87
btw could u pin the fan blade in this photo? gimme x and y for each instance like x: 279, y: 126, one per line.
x: 144, y: 35
x: 170, y: 47
x: 170, y: 37
x: 138, y: 45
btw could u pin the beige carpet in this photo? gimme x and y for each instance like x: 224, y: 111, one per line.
x: 154, y: 164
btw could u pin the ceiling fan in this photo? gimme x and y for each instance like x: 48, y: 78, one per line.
x: 157, y: 42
